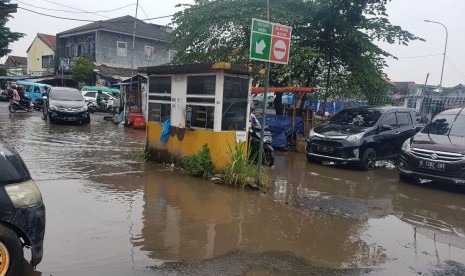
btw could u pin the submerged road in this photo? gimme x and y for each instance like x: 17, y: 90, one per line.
x: 108, y: 213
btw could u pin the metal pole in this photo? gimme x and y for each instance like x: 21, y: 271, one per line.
x: 132, y: 67
x: 262, y: 130
x: 445, y: 48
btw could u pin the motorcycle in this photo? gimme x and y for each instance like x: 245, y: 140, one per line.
x: 38, y: 104
x: 15, y: 106
x: 93, y: 107
x: 254, y: 140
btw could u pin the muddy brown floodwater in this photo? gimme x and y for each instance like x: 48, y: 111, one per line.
x: 111, y: 214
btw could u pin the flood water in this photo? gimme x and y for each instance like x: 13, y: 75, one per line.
x: 108, y: 213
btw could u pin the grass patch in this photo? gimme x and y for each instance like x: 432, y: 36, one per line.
x: 142, y: 154
x: 242, y: 171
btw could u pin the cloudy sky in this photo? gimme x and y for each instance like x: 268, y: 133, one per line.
x: 414, y: 63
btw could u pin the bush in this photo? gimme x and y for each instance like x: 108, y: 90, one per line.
x: 200, y: 164
x: 242, y: 171
x: 143, y: 154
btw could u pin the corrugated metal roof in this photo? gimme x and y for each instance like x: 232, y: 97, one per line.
x: 124, y: 25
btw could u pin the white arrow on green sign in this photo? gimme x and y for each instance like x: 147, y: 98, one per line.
x: 270, y: 42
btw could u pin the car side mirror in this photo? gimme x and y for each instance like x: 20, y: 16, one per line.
x: 386, y: 127
x: 44, y: 97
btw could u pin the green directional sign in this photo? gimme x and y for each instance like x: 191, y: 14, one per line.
x: 270, y: 41
x: 260, y: 40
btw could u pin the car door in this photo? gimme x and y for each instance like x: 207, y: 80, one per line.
x: 386, y: 135
x: 406, y: 128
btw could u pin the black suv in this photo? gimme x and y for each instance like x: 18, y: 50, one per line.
x: 22, y: 213
x: 438, y: 151
x: 363, y: 135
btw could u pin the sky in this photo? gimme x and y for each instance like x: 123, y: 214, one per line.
x: 415, y: 62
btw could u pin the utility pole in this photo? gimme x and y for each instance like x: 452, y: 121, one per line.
x: 445, y: 48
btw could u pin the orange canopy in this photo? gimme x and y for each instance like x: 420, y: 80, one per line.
x: 259, y: 90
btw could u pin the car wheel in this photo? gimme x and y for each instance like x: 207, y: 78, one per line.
x: 406, y: 178
x: 11, y: 252
x: 269, y: 159
x: 368, y: 159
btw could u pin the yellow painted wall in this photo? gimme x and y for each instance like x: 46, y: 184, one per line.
x: 193, y: 142
x: 34, y: 55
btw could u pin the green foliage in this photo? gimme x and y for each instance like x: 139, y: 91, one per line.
x: 200, y: 164
x: 2, y: 70
x: 6, y: 35
x: 332, y: 40
x: 143, y: 154
x: 82, y: 70
x: 241, y: 171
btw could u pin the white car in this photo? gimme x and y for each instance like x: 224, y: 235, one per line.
x: 91, y: 96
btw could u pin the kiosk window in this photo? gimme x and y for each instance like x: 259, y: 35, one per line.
x: 159, y: 112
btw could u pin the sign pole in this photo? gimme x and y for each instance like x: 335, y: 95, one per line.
x: 262, y: 130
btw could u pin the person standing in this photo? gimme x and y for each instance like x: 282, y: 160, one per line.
x: 100, y: 99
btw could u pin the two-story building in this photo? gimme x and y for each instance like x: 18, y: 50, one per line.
x: 41, y: 55
x: 110, y: 43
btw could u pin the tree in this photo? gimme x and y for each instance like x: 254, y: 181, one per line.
x: 82, y: 70
x: 2, y: 71
x: 332, y: 40
x: 6, y: 35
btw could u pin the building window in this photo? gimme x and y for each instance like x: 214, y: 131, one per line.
x: 121, y: 49
x: 235, y: 99
x: 200, y: 116
x: 200, y: 101
x: 159, y: 112
x: 148, y: 51
x: 48, y: 61
x: 160, y: 85
x: 159, y: 99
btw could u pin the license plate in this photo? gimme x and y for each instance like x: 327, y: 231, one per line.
x: 325, y: 149
x: 436, y: 166
x: 70, y: 118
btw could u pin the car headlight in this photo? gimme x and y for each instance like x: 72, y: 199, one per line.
x: 52, y: 107
x: 355, y: 137
x: 406, y: 146
x: 84, y: 108
x: 311, y: 133
x: 25, y: 194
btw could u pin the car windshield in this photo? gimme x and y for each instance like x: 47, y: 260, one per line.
x: 13, y: 168
x: 449, y: 124
x: 356, y: 117
x: 66, y: 95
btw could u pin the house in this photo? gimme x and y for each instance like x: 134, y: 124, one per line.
x: 41, y: 55
x: 110, y: 43
x: 16, y: 66
x: 457, y: 91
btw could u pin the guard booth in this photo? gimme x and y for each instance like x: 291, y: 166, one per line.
x: 204, y: 103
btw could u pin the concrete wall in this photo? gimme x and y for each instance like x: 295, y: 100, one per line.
x: 190, y: 144
x: 106, y: 52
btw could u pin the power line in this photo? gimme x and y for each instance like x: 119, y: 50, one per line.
x: 73, y: 8
x: 89, y: 20
x: 456, y: 68
x: 58, y: 10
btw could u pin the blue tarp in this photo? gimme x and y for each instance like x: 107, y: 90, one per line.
x: 166, y: 131
x: 280, y: 127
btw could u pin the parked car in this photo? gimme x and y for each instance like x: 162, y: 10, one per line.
x: 65, y: 104
x: 258, y: 100
x: 22, y: 213
x: 91, y: 96
x: 363, y: 135
x: 438, y: 151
